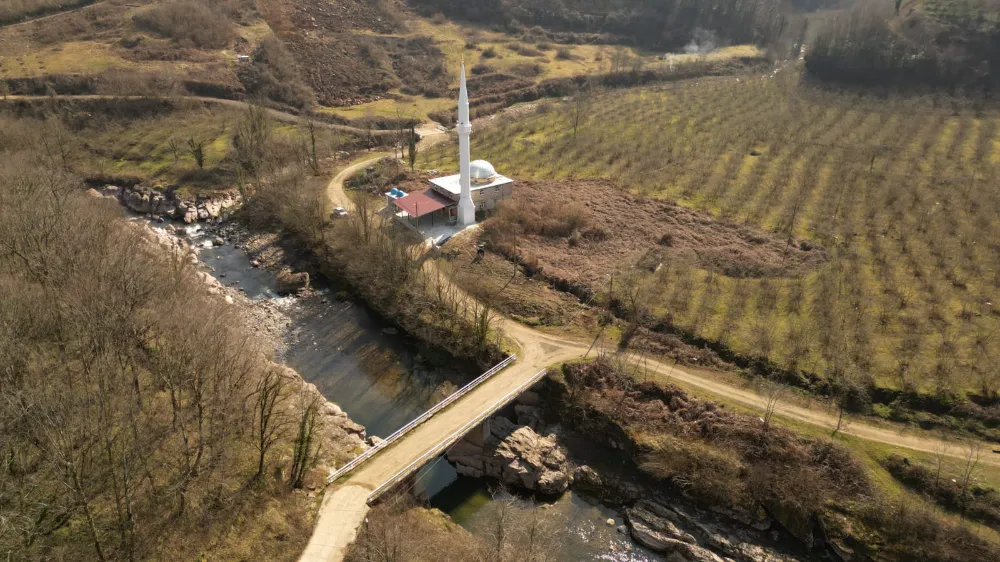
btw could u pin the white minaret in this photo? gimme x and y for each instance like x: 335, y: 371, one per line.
x: 466, y: 208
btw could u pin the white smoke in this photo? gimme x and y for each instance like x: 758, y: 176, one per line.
x: 703, y: 41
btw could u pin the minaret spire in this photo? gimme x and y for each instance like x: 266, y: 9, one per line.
x: 466, y: 208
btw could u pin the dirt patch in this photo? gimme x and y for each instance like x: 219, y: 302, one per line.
x: 584, y: 230
x: 492, y: 278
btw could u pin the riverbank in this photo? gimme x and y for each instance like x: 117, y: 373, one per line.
x: 271, y: 322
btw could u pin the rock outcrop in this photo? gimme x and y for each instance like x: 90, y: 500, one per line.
x: 168, y: 205
x: 289, y: 283
x: 516, y: 455
x: 685, y: 538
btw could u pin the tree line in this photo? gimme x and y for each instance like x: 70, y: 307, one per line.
x: 136, y: 413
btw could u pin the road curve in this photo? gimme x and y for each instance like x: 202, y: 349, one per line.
x: 345, y: 505
x: 52, y: 15
x: 529, y: 338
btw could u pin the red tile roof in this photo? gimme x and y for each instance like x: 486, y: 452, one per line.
x: 420, y: 203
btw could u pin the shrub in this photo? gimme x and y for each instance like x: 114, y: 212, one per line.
x: 189, y: 23
x: 543, y: 46
x: 705, y: 472
x: 526, y: 69
x: 275, y: 75
x: 481, y: 68
x: 564, y: 54
x: 525, y: 50
x: 489, y: 52
x: 980, y: 503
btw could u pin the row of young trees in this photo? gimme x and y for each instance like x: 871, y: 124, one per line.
x: 138, y: 417
x: 897, y: 194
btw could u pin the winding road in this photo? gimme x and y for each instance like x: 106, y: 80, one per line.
x: 275, y: 114
x: 536, y: 343
x: 345, y: 504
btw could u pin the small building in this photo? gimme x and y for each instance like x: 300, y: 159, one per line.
x: 456, y: 199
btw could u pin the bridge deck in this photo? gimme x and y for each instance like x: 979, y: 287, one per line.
x: 345, y: 506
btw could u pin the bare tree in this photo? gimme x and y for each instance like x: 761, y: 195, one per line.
x: 313, y: 154
x: 972, y: 456
x: 771, y: 392
x: 580, y: 108
x: 175, y: 149
x: 306, y: 449
x: 270, y: 420
x: 196, y: 148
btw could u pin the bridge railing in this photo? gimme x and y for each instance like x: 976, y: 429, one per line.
x: 455, y: 436
x: 419, y: 419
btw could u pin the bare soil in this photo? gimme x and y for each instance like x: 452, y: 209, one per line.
x: 618, y: 230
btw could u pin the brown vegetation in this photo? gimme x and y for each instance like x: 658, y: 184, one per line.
x: 661, y: 25
x: 132, y: 401
x: 940, y: 44
x: 585, y: 230
x: 813, y: 487
x: 189, y: 23
x: 16, y: 10
x: 516, y: 532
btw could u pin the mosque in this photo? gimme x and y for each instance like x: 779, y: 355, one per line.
x: 455, y: 199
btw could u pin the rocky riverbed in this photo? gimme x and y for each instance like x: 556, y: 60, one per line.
x: 270, y: 321
x: 519, y: 450
x: 169, y: 204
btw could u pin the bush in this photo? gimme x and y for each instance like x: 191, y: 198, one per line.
x: 489, y: 52
x: 527, y: 69
x: 275, y: 75
x: 564, y: 54
x: 705, y: 472
x: 189, y: 23
x: 481, y: 68
x: 980, y: 503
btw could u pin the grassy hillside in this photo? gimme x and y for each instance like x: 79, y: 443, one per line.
x: 371, y: 59
x: 900, y: 195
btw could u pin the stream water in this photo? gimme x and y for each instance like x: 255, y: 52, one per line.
x: 383, y: 379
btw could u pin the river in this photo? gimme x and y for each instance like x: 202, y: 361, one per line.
x: 383, y: 379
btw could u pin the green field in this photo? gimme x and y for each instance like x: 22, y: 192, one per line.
x: 901, y: 194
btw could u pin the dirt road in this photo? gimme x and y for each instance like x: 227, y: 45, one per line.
x: 344, y: 507
x: 275, y: 114
x: 52, y: 15
x: 530, y: 339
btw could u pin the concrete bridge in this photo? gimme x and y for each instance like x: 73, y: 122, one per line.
x: 365, y: 478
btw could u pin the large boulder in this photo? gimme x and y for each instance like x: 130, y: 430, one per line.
x: 289, y: 283
x: 516, y: 455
